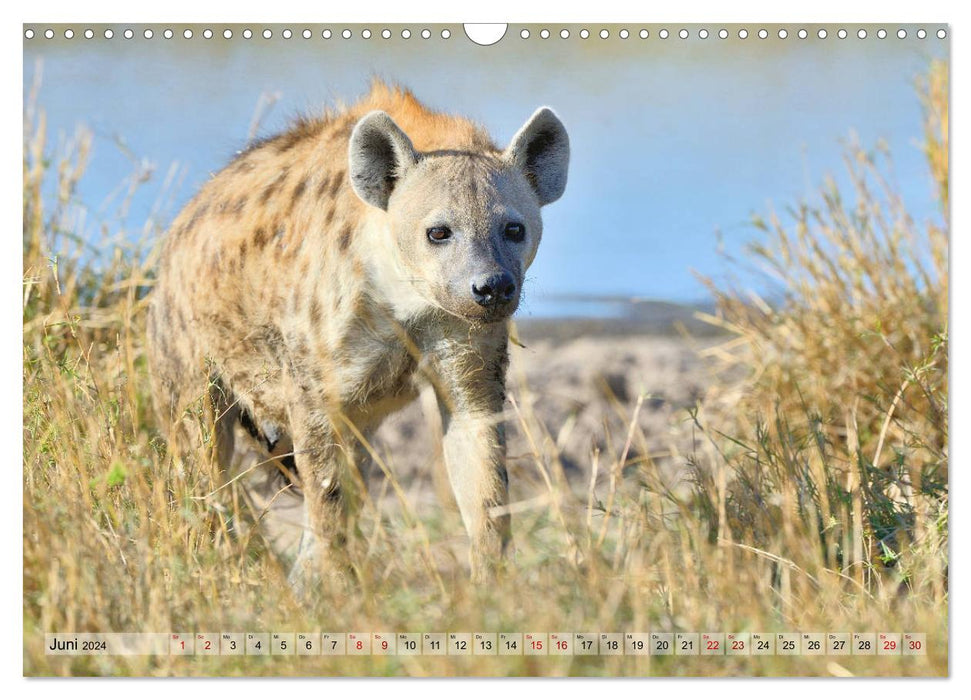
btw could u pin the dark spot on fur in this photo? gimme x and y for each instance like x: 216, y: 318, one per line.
x: 285, y: 141
x: 197, y: 215
x: 240, y: 163
x: 345, y: 237
x: 302, y: 128
x: 331, y: 213
x: 322, y: 187
x: 298, y: 193
x: 239, y: 205
x: 337, y: 184
x: 259, y: 237
x: 315, y: 313
x: 274, y: 186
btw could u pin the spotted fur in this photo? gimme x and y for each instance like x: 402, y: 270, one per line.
x: 300, y: 291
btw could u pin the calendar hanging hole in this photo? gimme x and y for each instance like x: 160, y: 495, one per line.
x: 483, y: 34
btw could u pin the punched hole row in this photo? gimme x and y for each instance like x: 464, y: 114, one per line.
x: 267, y: 34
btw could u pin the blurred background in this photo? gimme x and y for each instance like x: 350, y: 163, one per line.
x: 676, y: 142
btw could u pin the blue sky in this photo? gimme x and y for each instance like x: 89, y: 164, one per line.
x: 675, y: 143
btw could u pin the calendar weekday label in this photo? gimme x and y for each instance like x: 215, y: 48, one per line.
x: 839, y: 644
x: 914, y: 644
x: 485, y: 644
x: 763, y: 644
x: 813, y: 643
x: 409, y: 644
x: 712, y: 644
x: 738, y: 644
x: 510, y: 643
x: 662, y: 643
x: 637, y: 644
x: 586, y: 644
x: 561, y: 644
x: 281, y: 644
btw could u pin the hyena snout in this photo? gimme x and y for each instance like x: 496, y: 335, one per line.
x: 495, y: 290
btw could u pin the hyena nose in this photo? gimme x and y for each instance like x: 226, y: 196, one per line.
x: 494, y: 290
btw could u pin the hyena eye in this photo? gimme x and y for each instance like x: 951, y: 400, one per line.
x: 515, y: 232
x: 437, y: 234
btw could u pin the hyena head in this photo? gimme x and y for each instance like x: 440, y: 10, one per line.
x: 465, y: 225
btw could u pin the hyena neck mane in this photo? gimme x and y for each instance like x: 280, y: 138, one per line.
x: 430, y: 131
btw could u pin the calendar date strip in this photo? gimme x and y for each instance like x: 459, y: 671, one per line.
x: 488, y: 644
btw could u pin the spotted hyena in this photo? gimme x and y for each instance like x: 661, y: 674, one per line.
x: 315, y: 283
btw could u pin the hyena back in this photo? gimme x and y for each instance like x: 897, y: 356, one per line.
x: 318, y: 280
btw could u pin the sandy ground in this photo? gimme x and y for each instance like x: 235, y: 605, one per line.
x: 579, y: 383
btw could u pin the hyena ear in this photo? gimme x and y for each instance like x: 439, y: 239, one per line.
x: 378, y: 156
x: 541, y: 149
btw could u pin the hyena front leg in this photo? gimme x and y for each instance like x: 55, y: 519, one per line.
x: 471, y: 397
x: 321, y: 462
x: 475, y: 459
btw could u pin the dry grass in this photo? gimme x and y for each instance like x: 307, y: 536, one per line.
x: 817, y: 499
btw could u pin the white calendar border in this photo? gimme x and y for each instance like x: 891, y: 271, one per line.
x: 890, y: 11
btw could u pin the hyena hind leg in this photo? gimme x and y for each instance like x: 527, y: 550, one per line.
x: 263, y: 473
